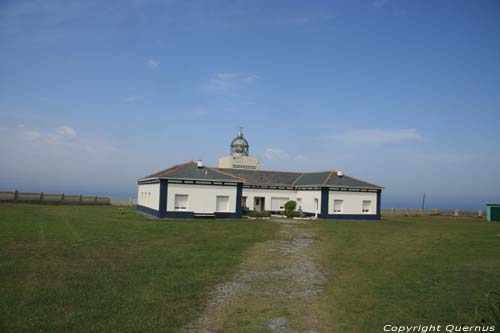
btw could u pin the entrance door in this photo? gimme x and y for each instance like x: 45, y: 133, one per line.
x: 259, y: 204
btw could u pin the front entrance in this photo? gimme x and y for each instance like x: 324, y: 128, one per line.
x: 259, y: 204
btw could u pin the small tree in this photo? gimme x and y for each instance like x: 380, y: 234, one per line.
x: 290, y: 208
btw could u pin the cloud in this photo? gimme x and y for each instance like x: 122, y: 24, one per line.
x: 31, y: 134
x: 66, y: 132
x: 379, y: 3
x: 132, y: 99
x: 381, y: 136
x: 61, y: 136
x: 276, y: 154
x: 151, y: 63
x: 281, y: 154
x: 229, y: 83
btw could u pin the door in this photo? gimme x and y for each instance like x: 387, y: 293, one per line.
x: 259, y: 204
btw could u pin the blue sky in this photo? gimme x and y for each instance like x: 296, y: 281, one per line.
x: 95, y: 94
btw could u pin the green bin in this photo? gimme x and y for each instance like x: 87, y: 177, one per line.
x: 493, y: 212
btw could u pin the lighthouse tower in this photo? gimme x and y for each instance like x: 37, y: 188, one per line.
x: 239, y: 155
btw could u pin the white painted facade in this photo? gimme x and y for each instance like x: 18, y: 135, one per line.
x: 352, y: 202
x: 268, y: 194
x: 208, y: 199
x: 310, y: 201
x: 202, y: 198
x: 148, y: 195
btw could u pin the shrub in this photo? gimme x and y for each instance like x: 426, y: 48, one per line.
x: 293, y: 214
x: 290, y: 209
x: 290, y: 206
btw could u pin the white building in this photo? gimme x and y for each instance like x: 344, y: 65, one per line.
x: 193, y: 189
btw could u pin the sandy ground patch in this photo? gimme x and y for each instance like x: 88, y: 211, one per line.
x: 277, y: 289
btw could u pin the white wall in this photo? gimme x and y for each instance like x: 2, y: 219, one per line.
x: 148, y: 195
x: 201, y: 198
x: 308, y: 201
x: 353, y: 202
x: 251, y: 193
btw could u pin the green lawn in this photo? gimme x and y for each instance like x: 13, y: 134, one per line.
x: 85, y: 268
x: 408, y: 270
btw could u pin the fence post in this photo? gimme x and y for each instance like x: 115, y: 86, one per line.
x: 16, y: 195
x: 41, y: 196
x: 62, y: 197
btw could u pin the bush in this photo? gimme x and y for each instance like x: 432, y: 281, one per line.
x: 293, y: 214
x: 290, y: 209
x: 290, y: 206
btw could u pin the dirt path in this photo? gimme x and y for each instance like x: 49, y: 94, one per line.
x: 278, y: 289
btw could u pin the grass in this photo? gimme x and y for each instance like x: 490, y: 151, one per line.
x: 84, y: 268
x: 408, y: 271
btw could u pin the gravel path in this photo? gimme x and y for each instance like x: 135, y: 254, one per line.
x: 275, y: 290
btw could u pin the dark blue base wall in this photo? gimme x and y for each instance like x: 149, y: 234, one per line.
x: 148, y: 210
x: 188, y: 215
x: 372, y: 217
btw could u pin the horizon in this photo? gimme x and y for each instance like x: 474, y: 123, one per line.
x: 404, y: 94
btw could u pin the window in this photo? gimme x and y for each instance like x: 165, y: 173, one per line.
x: 222, y: 203
x: 337, y: 206
x: 181, y: 202
x: 367, y: 204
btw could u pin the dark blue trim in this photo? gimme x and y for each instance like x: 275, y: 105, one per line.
x: 178, y: 215
x: 239, y: 198
x: 379, y: 196
x: 148, y: 210
x: 221, y: 215
x: 371, y: 217
x: 163, y: 197
x: 324, y: 202
x: 307, y: 214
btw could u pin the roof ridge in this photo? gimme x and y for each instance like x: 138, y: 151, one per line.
x: 362, y: 180
x: 328, y: 177
x: 177, y: 167
x: 262, y: 170
x: 296, y: 180
x: 168, y: 170
x: 225, y: 173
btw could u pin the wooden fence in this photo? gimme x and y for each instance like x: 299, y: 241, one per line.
x: 41, y: 197
x: 430, y: 212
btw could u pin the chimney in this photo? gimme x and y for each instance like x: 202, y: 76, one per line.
x: 340, y: 173
x: 199, y: 164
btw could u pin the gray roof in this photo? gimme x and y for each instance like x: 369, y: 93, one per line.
x: 191, y: 171
x: 260, y: 177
